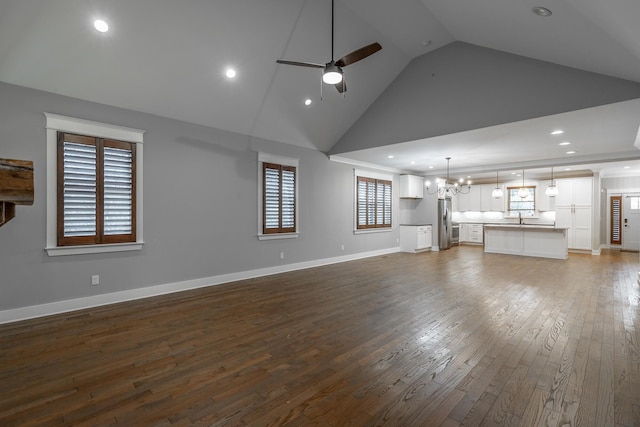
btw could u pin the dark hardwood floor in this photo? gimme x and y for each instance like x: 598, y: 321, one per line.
x: 448, y: 338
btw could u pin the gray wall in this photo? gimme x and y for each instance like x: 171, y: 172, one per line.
x: 462, y: 87
x: 200, y: 207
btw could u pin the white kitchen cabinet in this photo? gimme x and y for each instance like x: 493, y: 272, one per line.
x: 476, y: 233
x: 574, y: 210
x: 470, y: 201
x: 471, y: 233
x: 463, y: 233
x: 576, y: 191
x: 411, y: 187
x: 544, y: 203
x: 415, y: 238
x: 488, y: 203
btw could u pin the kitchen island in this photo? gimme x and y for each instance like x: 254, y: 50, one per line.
x: 526, y: 240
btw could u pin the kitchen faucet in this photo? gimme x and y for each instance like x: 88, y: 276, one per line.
x: 520, y: 217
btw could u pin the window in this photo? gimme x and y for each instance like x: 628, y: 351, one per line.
x: 524, y: 206
x: 616, y: 220
x: 99, y: 208
x: 96, y: 190
x: 373, y: 203
x: 279, y: 208
x: 278, y: 197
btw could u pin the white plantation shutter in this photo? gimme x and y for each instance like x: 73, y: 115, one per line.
x: 373, y: 203
x: 386, y: 203
x: 118, y: 191
x: 279, y: 201
x: 271, y: 198
x: 96, y: 204
x: 288, y: 198
x: 362, y: 202
x: 79, y: 188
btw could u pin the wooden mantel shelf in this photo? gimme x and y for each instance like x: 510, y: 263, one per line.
x: 16, y: 187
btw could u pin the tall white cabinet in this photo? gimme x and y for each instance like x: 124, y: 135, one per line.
x: 574, y: 210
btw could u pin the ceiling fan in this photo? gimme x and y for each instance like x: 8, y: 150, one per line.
x: 332, y: 73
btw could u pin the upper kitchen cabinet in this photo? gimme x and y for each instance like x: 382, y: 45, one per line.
x: 487, y: 201
x: 411, y: 187
x: 543, y: 202
x: 576, y: 191
x: 470, y: 201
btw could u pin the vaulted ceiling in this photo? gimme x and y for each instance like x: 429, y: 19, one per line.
x: 168, y: 58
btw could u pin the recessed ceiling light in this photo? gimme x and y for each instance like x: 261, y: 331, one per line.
x: 557, y: 132
x: 430, y: 167
x: 541, y: 11
x: 390, y: 156
x: 571, y: 152
x: 101, y: 25
x: 567, y: 169
x: 230, y: 73
x: 413, y: 162
x: 627, y: 167
x: 513, y: 173
x: 565, y: 143
x: 308, y: 102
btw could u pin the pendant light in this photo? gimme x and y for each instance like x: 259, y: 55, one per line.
x: 497, y: 192
x: 552, y: 190
x: 523, y: 192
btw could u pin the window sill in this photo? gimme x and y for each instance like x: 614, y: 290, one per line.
x: 373, y: 230
x: 277, y: 236
x: 93, y: 249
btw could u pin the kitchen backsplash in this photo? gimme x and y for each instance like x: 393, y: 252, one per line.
x: 499, y: 217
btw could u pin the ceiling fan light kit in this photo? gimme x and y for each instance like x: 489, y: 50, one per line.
x: 332, y: 71
x: 332, y: 74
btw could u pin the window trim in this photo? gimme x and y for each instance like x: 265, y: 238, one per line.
x: 283, y: 161
x: 99, y: 237
x: 56, y: 123
x: 377, y: 176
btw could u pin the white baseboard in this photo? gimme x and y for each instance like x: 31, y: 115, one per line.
x: 34, y: 311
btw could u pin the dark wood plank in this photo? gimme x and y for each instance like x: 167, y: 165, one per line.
x: 448, y: 338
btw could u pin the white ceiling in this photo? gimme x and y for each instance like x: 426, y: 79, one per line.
x: 168, y: 58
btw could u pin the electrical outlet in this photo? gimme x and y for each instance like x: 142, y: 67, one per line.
x: 95, y: 280
x: 342, y: 247
x: 281, y: 255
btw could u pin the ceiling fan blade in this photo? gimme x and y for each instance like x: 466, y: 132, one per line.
x: 358, y: 55
x: 341, y: 86
x: 300, y: 64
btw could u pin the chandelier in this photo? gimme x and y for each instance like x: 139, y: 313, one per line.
x: 445, y: 189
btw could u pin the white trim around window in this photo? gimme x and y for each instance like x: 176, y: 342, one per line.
x: 55, y: 123
x: 284, y: 161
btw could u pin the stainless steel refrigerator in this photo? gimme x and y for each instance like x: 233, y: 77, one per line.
x: 444, y: 223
